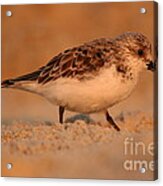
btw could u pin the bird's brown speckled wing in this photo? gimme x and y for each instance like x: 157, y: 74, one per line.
x: 77, y: 62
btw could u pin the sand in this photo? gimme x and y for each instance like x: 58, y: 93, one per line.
x: 83, y: 149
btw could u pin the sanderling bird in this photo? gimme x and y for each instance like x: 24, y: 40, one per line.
x: 91, y: 77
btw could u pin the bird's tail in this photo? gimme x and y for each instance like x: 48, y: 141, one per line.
x: 19, y: 81
x: 7, y: 83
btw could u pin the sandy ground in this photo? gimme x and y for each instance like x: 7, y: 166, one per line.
x: 83, y: 149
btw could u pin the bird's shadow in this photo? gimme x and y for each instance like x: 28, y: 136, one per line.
x: 81, y: 117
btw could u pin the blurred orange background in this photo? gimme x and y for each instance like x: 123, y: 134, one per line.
x: 35, y: 33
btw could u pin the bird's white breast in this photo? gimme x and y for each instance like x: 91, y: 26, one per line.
x: 89, y: 96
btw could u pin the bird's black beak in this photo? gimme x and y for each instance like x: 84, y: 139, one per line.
x: 151, y: 66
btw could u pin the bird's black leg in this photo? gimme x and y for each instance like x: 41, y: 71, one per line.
x: 61, y: 112
x: 111, y: 121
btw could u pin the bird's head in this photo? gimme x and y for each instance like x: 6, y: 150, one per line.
x: 136, y: 49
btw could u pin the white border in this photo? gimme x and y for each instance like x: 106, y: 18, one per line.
x: 63, y: 182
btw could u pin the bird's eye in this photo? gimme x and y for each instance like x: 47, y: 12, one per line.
x: 140, y: 52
